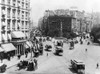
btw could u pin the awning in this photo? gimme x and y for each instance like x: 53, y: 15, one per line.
x: 1, y: 50
x: 4, y: 37
x: 26, y: 46
x: 29, y: 44
x: 9, y: 36
x: 8, y: 47
x: 17, y: 34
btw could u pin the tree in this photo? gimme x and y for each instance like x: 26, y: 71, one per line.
x: 95, y: 32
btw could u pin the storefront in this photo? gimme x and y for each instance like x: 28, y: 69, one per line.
x: 9, y: 50
x: 18, y: 39
x: 20, y: 47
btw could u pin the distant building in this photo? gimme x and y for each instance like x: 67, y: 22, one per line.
x: 95, y: 18
x: 77, y: 22
x: 79, y: 15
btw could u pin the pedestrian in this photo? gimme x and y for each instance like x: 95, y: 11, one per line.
x: 97, y: 66
x: 1, y: 57
x: 47, y: 54
x: 81, y: 42
x: 26, y: 55
x: 9, y: 57
x: 88, y: 43
x: 19, y: 56
x: 86, y: 50
x: 36, y: 64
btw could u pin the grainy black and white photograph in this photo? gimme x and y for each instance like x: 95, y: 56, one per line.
x: 49, y: 36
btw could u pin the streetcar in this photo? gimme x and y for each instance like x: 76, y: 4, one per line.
x: 71, y: 45
x: 78, y: 66
x: 59, y: 47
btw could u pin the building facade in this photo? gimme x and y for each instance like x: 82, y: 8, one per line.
x: 57, y: 23
x: 77, y: 23
x: 14, y: 22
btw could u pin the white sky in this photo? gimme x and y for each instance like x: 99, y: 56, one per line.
x: 39, y: 6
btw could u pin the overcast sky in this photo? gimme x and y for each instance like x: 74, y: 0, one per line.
x: 39, y: 6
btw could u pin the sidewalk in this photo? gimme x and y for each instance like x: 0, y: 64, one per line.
x: 41, y: 59
x: 15, y: 60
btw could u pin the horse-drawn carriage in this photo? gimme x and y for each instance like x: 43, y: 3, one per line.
x: 47, y: 47
x: 29, y: 65
x: 59, y: 48
x: 22, y: 64
x: 2, y: 67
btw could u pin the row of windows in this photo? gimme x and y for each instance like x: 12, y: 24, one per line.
x: 17, y: 4
x: 23, y: 1
x: 15, y: 14
x: 19, y: 24
x: 9, y: 9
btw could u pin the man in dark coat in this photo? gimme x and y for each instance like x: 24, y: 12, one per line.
x: 97, y: 66
x: 19, y: 56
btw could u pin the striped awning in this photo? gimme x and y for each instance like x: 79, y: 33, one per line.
x: 8, y: 47
x: 26, y: 46
x: 29, y: 44
x: 17, y: 34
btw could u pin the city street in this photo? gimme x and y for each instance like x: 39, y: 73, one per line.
x: 49, y: 36
x: 60, y: 64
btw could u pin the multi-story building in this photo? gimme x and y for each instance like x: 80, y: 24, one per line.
x: 14, y: 23
x: 78, y: 24
x: 57, y: 23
